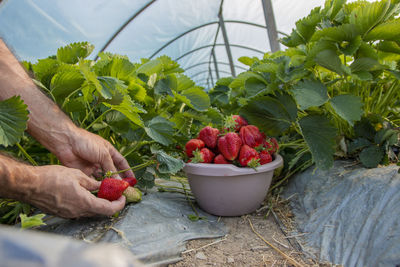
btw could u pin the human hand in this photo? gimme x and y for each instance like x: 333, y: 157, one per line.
x: 92, y: 154
x: 65, y: 192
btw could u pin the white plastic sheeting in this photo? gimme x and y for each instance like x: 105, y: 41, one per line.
x: 36, y: 28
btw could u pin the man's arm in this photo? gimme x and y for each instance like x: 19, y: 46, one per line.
x: 47, y: 123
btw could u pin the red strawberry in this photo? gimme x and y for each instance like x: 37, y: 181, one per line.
x: 251, y: 136
x: 219, y: 159
x: 205, y: 155
x: 209, y: 135
x: 271, y: 145
x: 131, y: 180
x: 112, y: 189
x: 249, y: 157
x: 229, y: 145
x: 265, y: 157
x: 240, y: 121
x: 193, y: 145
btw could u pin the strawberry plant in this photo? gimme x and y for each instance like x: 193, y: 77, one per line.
x: 340, y: 68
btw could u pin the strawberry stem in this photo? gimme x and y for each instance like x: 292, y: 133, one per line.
x: 134, y: 168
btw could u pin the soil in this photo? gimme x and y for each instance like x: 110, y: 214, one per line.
x: 243, y: 247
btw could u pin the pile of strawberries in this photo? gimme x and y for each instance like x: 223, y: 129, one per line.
x: 238, y: 143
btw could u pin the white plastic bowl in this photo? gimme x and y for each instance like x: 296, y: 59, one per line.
x: 227, y: 190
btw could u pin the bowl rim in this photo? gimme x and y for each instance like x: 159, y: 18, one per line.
x: 210, y: 169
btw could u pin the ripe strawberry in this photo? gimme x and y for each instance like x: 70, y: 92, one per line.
x: 240, y: 121
x: 205, y: 155
x: 251, y: 136
x: 265, y: 157
x: 192, y: 145
x: 132, y: 194
x: 131, y: 180
x: 271, y: 145
x: 229, y: 145
x: 249, y: 157
x: 219, y: 159
x: 112, y: 189
x: 209, y: 135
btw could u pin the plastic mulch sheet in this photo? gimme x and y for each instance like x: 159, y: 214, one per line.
x: 348, y: 215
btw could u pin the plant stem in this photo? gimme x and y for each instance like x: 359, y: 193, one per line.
x: 134, y: 168
x: 30, y: 159
x: 98, y: 118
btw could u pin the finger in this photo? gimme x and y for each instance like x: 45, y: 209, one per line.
x: 89, y: 183
x: 105, y: 207
x: 120, y: 162
x: 107, y: 164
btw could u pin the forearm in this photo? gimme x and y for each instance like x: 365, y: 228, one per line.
x: 16, y: 179
x: 47, y: 123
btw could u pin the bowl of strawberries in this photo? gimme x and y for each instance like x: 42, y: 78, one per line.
x: 230, y: 170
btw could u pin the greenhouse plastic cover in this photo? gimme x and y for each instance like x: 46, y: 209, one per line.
x: 34, y: 29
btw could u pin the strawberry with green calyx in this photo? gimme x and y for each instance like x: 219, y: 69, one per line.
x: 229, y: 145
x: 204, y: 155
x: 234, y: 123
x: 131, y: 180
x: 193, y: 145
x: 251, y: 136
x: 271, y: 145
x: 132, y: 194
x: 249, y: 157
x: 265, y: 157
x: 219, y: 159
x: 209, y: 136
x: 112, y: 189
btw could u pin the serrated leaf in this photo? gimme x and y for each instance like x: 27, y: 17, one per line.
x: 389, y: 31
x: 371, y: 156
x: 130, y: 109
x: 150, y: 67
x: 310, y: 93
x: 242, y: 78
x: 13, y: 120
x: 31, y: 221
x: 268, y: 114
x: 289, y: 104
x: 225, y: 81
x: 349, y: 107
x: 351, y: 47
x: 71, y: 53
x: 248, y: 60
x: 363, y: 64
x: 165, y: 86
x: 254, y: 87
x: 319, y: 135
x: 45, y: 69
x: 160, y: 130
x: 168, y: 164
x: 357, y: 144
x: 91, y: 78
x: 364, y: 128
x: 368, y: 15
x: 64, y: 83
x: 344, y: 32
x: 183, y: 82
x: 114, y: 87
x: 331, y: 61
x: 198, y: 98
x: 266, y: 67
x: 384, y: 135
x: 219, y: 95
x: 389, y: 46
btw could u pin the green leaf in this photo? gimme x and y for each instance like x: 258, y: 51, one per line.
x: 45, y: 69
x: 364, y: 128
x: 254, y: 87
x: 271, y: 67
x: 268, y: 114
x: 114, y: 87
x: 165, y: 86
x: 150, y: 67
x: 168, y: 164
x: 64, y: 83
x: 73, y: 52
x: 160, y: 130
x: 371, y: 156
x: 389, y: 31
x: 319, y: 135
x: 183, y: 82
x: 389, y: 46
x: 333, y: 7
x: 368, y: 15
x: 363, y: 64
x: 130, y: 109
x: 331, y: 61
x: 219, y: 95
x: 310, y: 93
x: 248, y: 60
x: 240, y: 80
x: 92, y: 80
x: 13, y: 120
x: 349, y: 107
x: 198, y: 98
x: 357, y: 144
x: 384, y: 135
x: 351, y: 47
x: 344, y: 32
x: 289, y: 104
x: 137, y: 91
x: 31, y: 221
